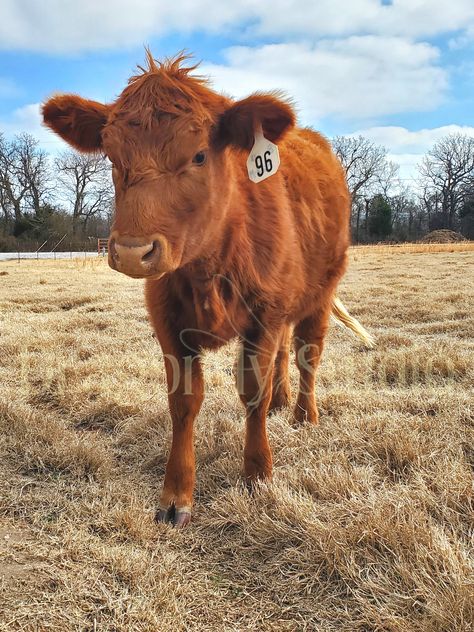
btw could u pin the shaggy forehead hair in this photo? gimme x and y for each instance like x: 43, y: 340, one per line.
x: 166, y: 88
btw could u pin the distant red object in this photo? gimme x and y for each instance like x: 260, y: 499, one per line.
x: 102, y: 246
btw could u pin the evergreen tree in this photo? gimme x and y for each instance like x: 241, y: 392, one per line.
x: 380, y: 217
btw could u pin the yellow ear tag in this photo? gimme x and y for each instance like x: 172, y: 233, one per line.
x: 264, y: 158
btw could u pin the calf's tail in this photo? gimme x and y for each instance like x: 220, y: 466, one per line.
x: 341, y: 314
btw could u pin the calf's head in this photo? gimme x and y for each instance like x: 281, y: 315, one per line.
x: 173, y: 143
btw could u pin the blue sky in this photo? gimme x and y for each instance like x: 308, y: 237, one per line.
x: 400, y: 72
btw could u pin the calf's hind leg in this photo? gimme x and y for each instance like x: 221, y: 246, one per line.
x: 254, y: 382
x: 280, y: 382
x: 309, y: 341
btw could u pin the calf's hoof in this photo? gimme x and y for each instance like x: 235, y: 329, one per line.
x: 178, y: 517
x: 280, y: 399
x: 303, y: 415
x: 256, y: 469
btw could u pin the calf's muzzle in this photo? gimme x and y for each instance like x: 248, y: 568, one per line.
x: 135, y: 257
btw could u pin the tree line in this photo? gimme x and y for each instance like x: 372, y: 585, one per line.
x: 385, y: 208
x: 67, y: 197
x: 70, y: 196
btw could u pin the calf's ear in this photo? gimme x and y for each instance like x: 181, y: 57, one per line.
x: 78, y: 121
x: 237, y: 125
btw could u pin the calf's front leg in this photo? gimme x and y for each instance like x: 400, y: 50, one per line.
x: 185, y: 396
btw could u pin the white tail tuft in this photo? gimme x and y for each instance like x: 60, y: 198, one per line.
x: 341, y: 314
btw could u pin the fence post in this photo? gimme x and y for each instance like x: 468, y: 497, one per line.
x: 38, y: 249
x: 54, y: 249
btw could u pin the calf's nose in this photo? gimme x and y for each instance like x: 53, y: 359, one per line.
x: 134, y: 258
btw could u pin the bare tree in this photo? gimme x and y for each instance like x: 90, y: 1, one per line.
x: 368, y: 172
x: 447, y: 173
x: 33, y: 171
x: 429, y: 201
x: 87, y: 185
x: 5, y: 203
x: 13, y: 189
x: 24, y: 176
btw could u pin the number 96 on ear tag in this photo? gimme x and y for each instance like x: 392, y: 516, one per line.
x: 263, y: 160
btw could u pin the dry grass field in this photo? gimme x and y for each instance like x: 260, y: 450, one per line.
x: 367, y: 525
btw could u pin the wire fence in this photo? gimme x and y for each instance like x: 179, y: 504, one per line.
x: 64, y: 254
x: 58, y: 250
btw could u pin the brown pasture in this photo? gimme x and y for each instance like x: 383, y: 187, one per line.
x: 367, y: 525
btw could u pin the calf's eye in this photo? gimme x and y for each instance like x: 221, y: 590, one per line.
x: 200, y: 158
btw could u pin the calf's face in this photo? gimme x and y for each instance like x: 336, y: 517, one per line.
x: 168, y: 203
x: 169, y: 139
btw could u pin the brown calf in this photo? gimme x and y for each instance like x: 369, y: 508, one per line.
x: 222, y: 256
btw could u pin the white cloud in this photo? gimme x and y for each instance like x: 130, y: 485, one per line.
x: 71, y: 26
x: 401, y: 139
x: 68, y: 26
x: 356, y: 77
x: 407, y: 18
x: 28, y: 119
x: 406, y: 147
x: 464, y: 40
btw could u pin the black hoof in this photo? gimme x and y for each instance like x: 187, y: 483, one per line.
x: 177, y: 517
